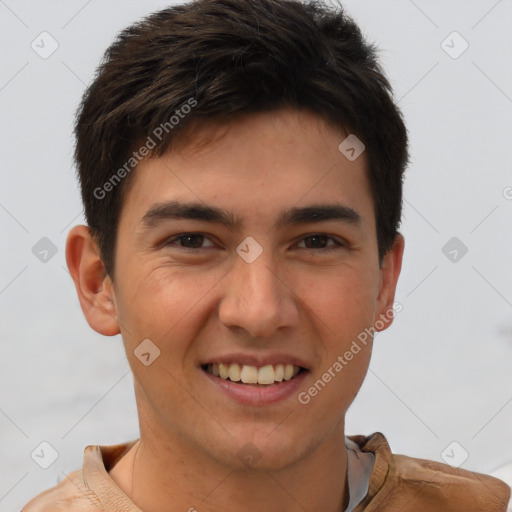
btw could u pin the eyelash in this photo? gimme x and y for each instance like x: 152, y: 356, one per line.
x: 338, y: 245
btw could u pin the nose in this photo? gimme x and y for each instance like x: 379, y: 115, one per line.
x: 256, y: 299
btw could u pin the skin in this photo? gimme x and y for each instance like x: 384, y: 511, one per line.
x: 195, y: 304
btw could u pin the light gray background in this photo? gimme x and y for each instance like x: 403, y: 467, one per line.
x: 441, y: 373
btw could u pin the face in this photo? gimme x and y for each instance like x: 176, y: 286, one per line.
x: 258, y: 249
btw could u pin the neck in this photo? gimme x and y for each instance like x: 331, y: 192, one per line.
x: 165, y: 474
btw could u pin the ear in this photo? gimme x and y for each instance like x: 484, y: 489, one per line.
x: 93, y: 285
x: 390, y: 270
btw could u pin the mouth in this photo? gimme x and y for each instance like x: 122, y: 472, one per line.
x: 256, y: 376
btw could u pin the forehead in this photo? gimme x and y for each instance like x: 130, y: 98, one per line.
x: 255, y: 164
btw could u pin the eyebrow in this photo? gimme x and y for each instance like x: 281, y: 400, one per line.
x: 175, y: 210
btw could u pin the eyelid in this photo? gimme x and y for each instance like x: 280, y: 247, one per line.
x: 174, y: 238
x: 338, y: 244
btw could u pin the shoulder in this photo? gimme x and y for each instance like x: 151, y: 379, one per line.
x: 69, y: 495
x: 455, y: 488
x: 424, y: 485
x: 88, y: 490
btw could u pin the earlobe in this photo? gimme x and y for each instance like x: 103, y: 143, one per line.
x: 93, y: 285
x: 390, y: 271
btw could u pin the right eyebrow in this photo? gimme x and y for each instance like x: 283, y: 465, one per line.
x: 171, y: 210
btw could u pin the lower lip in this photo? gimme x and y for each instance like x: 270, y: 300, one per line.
x: 258, y: 395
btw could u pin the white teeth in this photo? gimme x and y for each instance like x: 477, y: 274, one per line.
x: 266, y: 375
x: 249, y: 374
x: 253, y: 375
x: 223, y: 371
x: 234, y: 372
x: 288, y: 372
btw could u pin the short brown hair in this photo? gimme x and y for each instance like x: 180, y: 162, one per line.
x: 225, y: 58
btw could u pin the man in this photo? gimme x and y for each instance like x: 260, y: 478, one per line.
x: 241, y: 166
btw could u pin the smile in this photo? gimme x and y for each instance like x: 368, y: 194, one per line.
x: 248, y: 374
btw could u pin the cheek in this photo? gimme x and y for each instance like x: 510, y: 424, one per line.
x: 158, y: 307
x: 337, y: 383
x: 343, y: 300
x: 158, y: 304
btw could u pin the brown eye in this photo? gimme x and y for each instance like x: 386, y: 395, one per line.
x: 316, y: 241
x: 188, y: 241
x: 193, y: 241
x: 320, y: 241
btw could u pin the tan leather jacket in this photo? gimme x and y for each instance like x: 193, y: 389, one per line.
x: 397, y: 483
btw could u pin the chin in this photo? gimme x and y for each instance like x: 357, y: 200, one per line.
x: 268, y: 449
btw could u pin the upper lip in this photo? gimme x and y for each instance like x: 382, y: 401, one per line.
x: 257, y: 359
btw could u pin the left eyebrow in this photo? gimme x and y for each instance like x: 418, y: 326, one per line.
x: 173, y: 210
x: 318, y: 213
